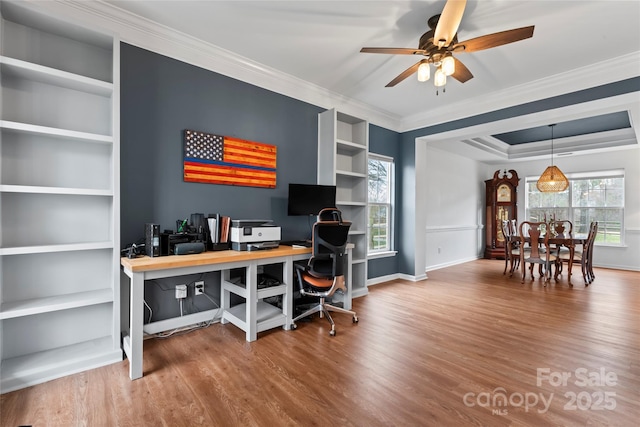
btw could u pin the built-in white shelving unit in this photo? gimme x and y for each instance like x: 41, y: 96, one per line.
x: 59, y: 198
x: 343, y: 145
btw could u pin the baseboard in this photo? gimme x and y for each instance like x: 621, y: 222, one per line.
x: 382, y: 279
x: 399, y: 276
x: 360, y: 292
x: 396, y: 276
x: 618, y: 267
x: 451, y: 263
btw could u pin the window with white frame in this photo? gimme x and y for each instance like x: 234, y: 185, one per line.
x: 379, y: 204
x: 596, y: 196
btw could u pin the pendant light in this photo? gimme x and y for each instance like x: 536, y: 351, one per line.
x: 552, y: 179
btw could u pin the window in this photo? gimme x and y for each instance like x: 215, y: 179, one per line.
x: 590, y: 197
x: 379, y: 203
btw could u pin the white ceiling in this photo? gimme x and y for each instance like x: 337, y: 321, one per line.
x: 576, y: 45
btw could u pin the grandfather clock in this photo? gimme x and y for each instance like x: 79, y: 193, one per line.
x: 501, y: 203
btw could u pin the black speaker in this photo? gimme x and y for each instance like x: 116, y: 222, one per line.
x: 189, y: 248
x: 152, y: 239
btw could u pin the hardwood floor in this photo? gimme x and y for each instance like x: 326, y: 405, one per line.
x: 445, y: 351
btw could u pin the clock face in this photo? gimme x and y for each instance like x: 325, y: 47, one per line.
x: 504, y: 193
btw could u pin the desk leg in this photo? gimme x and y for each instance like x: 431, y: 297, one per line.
x: 136, y: 323
x: 225, y: 295
x: 287, y: 298
x: 252, y: 302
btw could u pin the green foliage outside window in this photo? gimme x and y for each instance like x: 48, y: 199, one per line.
x: 590, y: 199
x: 379, y: 205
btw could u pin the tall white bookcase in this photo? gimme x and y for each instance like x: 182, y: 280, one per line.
x: 59, y: 198
x: 343, y: 146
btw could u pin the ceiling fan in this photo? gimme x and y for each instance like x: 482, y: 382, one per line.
x: 440, y: 43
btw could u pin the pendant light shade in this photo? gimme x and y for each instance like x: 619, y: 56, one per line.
x: 552, y: 179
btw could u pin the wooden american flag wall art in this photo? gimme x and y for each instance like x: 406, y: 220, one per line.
x: 216, y: 159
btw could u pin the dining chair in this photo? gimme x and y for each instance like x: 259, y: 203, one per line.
x: 534, y: 249
x: 591, y: 245
x: 511, y: 246
x: 582, y: 257
x: 561, y: 228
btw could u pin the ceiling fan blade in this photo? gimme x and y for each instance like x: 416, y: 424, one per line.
x: 448, y: 23
x: 493, y: 40
x: 461, y: 73
x: 393, y: 50
x: 406, y: 73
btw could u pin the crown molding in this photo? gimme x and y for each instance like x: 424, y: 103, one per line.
x: 604, y: 72
x: 146, y: 34
x: 149, y: 35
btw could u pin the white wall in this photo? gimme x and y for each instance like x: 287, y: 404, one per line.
x: 626, y: 257
x: 454, y: 187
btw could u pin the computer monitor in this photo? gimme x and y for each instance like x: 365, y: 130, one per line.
x: 310, y: 199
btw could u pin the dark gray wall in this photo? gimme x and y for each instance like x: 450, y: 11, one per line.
x: 160, y: 98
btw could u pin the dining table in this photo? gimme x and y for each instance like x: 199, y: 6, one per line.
x: 568, y: 240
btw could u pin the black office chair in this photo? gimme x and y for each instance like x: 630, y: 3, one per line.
x: 324, y: 273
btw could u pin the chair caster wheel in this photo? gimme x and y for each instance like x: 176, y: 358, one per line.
x: 294, y: 326
x: 332, y: 333
x: 355, y: 319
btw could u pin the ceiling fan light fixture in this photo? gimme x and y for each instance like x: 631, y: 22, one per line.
x: 448, y: 65
x: 552, y: 179
x: 439, y: 78
x: 440, y: 42
x: 424, y: 72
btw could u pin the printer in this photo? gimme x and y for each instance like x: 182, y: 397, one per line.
x: 254, y: 234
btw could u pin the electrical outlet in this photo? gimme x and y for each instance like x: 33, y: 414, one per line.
x: 181, y: 291
x: 199, y: 286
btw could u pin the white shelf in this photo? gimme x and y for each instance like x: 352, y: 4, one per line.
x: 351, y: 174
x: 343, y: 144
x: 350, y: 146
x: 10, y: 310
x: 39, y: 249
x: 268, y: 316
x: 59, y: 191
x: 350, y: 203
x: 241, y: 290
x: 26, y: 70
x: 54, y: 190
x: 272, y: 291
x: 24, y: 371
x: 54, y: 132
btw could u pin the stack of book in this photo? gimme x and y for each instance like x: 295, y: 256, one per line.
x: 219, y: 226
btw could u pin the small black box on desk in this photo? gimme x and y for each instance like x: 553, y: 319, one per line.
x: 170, y: 240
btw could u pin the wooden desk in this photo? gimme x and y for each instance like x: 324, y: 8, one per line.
x: 245, y: 316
